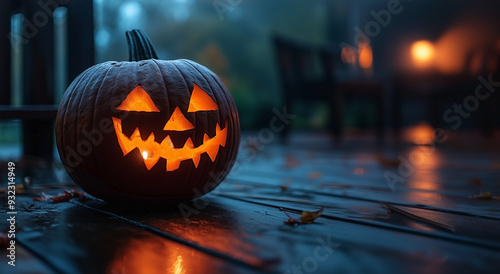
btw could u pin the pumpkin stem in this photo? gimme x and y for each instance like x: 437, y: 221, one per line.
x: 139, y: 46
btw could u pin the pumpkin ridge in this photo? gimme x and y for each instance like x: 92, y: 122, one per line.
x: 63, y: 112
x: 92, y: 120
x: 80, y: 125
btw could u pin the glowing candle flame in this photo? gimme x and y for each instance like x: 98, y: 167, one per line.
x: 145, y: 155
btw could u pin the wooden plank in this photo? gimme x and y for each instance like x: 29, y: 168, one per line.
x: 239, y: 228
x: 29, y: 112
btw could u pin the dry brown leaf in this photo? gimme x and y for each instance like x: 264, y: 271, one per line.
x: 483, y: 196
x: 359, y: 171
x: 315, y: 175
x: 306, y: 217
x: 4, y: 241
x: 387, y: 162
x: 477, y: 182
x: 496, y: 165
x: 283, y: 188
x: 291, y: 162
x: 61, y: 197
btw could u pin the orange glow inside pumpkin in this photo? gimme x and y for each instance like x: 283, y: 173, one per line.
x: 201, y: 101
x: 178, y: 122
x: 151, y: 150
x: 138, y: 100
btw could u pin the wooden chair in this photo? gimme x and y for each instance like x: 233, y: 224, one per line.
x: 39, y: 107
x: 441, y: 91
x: 300, y: 83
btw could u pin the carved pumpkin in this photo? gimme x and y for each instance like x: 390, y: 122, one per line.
x: 147, y: 129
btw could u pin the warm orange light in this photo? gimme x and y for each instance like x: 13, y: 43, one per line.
x: 421, y: 134
x: 201, y: 101
x: 365, y: 56
x: 138, y: 100
x: 348, y: 55
x: 177, y: 267
x: 166, y: 149
x: 151, y: 151
x: 422, y: 51
x: 178, y: 122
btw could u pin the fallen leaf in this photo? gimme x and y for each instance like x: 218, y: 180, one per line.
x: 359, y: 171
x: 291, y: 162
x: 315, y: 175
x: 387, y: 162
x: 4, y: 241
x: 284, y: 187
x: 477, y: 182
x: 306, y: 217
x: 496, y: 165
x: 483, y: 196
x: 61, y: 197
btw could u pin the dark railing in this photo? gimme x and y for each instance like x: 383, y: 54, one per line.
x: 33, y: 97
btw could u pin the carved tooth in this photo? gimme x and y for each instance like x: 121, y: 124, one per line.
x: 196, y: 159
x: 205, y: 138
x: 136, y: 134
x: 188, y: 144
x: 167, y: 141
x: 173, y: 164
x: 217, y: 128
x: 151, y: 138
x: 151, y: 162
x: 212, y: 151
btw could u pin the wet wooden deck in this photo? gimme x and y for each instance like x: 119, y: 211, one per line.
x: 432, y: 225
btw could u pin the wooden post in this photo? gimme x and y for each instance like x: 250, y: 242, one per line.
x: 80, y: 37
x: 39, y: 79
x: 5, y: 14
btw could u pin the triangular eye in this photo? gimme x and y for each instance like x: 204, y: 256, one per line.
x: 138, y: 100
x: 201, y: 101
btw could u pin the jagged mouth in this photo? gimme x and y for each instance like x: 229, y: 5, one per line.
x: 152, y: 151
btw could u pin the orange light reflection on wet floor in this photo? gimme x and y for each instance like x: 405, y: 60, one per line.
x: 153, y: 255
x: 425, y: 161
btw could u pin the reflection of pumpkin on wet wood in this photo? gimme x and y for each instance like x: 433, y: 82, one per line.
x: 147, y: 129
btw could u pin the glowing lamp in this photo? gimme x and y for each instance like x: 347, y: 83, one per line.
x: 147, y: 129
x: 365, y: 56
x: 422, y: 52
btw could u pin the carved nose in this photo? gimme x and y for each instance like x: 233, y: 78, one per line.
x: 178, y: 122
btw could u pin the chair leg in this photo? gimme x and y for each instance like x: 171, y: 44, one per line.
x: 396, y: 114
x: 380, y: 117
x: 285, y: 134
x: 336, y: 118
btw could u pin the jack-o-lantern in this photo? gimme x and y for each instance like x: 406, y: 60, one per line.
x: 147, y: 129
